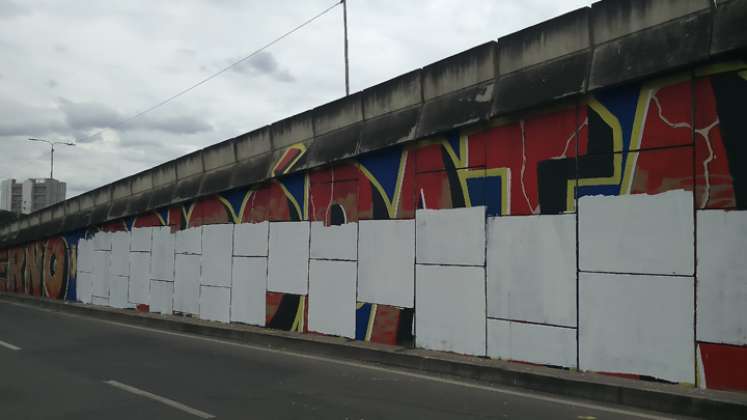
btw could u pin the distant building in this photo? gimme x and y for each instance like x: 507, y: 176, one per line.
x: 30, y: 195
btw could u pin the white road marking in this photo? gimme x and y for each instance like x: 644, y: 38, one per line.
x: 9, y: 346
x: 546, y: 398
x: 162, y: 400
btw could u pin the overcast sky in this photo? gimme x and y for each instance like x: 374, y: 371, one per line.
x: 73, y: 68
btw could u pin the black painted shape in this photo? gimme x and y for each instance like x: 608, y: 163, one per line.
x: 729, y: 27
x: 552, y: 184
x: 600, y: 135
x: 286, y: 313
x: 292, y: 212
x: 455, y: 187
x: 731, y: 93
x: 378, y: 204
x: 404, y: 328
x: 336, y: 215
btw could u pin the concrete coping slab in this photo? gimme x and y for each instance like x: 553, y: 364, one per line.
x: 292, y: 130
x: 392, y: 95
x: 460, y: 71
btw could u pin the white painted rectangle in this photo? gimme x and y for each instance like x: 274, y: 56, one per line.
x: 639, y: 324
x: 100, y: 301
x: 217, y: 245
x: 451, y: 236
x: 162, y: 257
x: 249, y: 291
x: 187, y: 283
x: 101, y: 273
x: 251, y: 239
x: 288, y: 263
x: 531, y: 262
x: 85, y: 256
x: 84, y: 287
x: 141, y: 239
x: 102, y: 241
x: 215, y: 303
x: 139, y: 291
x: 332, y: 297
x: 722, y: 276
x: 450, y: 310
x: 637, y: 233
x: 533, y: 343
x: 161, y: 296
x: 188, y: 241
x: 120, y: 262
x: 119, y: 286
x: 338, y: 242
x: 386, y: 265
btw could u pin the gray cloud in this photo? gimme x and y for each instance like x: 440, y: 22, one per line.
x: 10, y: 9
x: 51, y: 83
x: 264, y: 63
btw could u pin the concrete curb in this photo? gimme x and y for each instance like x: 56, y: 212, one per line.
x: 663, y: 398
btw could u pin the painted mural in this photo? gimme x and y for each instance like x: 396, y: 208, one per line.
x: 679, y: 133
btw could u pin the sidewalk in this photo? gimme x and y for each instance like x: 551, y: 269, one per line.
x: 674, y: 399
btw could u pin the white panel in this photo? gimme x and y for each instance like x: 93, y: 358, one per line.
x: 288, y: 269
x: 119, y: 286
x: 100, y: 301
x: 386, y: 265
x: 251, y: 239
x: 453, y: 236
x: 141, y: 239
x: 84, y: 287
x: 450, y: 310
x: 102, y: 241
x: 249, y: 291
x: 187, y: 283
x: 188, y: 241
x: 85, y: 256
x: 640, y: 324
x: 531, y: 264
x: 101, y: 273
x: 139, y: 291
x: 332, y: 297
x: 637, y: 233
x: 217, y: 243
x: 162, y: 258
x: 338, y: 242
x: 161, y: 296
x: 532, y: 343
x: 722, y: 276
x: 215, y: 303
x: 120, y: 264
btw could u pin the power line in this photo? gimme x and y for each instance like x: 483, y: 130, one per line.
x: 223, y: 70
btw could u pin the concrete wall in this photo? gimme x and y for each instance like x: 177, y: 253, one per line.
x: 543, y: 199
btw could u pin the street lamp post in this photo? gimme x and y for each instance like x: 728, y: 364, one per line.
x: 52, y: 143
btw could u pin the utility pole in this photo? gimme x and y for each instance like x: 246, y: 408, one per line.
x: 345, y: 25
x: 52, y: 143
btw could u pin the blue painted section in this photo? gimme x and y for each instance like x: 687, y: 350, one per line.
x: 72, y: 239
x: 453, y: 139
x: 296, y: 186
x: 164, y: 213
x: 235, y: 198
x: 362, y: 315
x: 384, y: 166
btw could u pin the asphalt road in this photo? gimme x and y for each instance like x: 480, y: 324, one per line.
x: 61, y: 366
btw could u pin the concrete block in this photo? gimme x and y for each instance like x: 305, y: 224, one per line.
x: 99, y: 301
x: 119, y: 286
x: 219, y: 155
x: 252, y: 170
x: 141, y: 239
x: 85, y: 255
x: 452, y: 236
x: 386, y: 262
x: 72, y: 206
x: 120, y: 257
x: 188, y: 241
x: 162, y: 196
x: 337, y: 145
x: 548, y: 40
x: 612, y: 19
x: 217, y: 249
x: 457, y: 109
x: 637, y: 324
x: 188, y: 188
x: 141, y: 182
x: 164, y: 174
x: 139, y: 286
x: 288, y: 262
x: 45, y: 215
x: 102, y: 241
x: 334, y: 242
x: 401, y: 92
x: 101, y: 273
x: 161, y: 297
x: 292, y: 130
x: 121, y: 189
x: 58, y: 211
x: 728, y: 27
x: 531, y: 263
x: 332, y: 297
x: 162, y: 262
x: 99, y: 215
x: 189, y: 165
x: 215, y: 303
x: 389, y: 129
x: 119, y: 209
x: 139, y: 203
x: 86, y: 201
x: 337, y: 114
x: 103, y: 196
x: 251, y: 239
x: 722, y: 277
x: 84, y: 287
x: 450, y: 314
x: 459, y: 71
x: 217, y: 181
x: 249, y: 290
x: 187, y: 284
x: 533, y: 343
x: 253, y: 143
x: 637, y: 233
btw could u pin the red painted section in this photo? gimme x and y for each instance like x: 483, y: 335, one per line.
x: 267, y: 202
x: 658, y: 171
x: 208, y: 211
x: 669, y: 117
x: 386, y: 325
x: 147, y: 220
x: 725, y: 366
